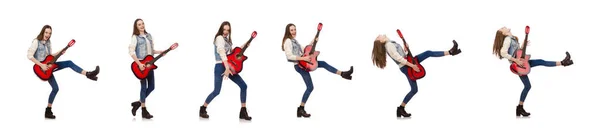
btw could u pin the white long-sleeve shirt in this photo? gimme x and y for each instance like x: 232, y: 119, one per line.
x: 394, y: 53
x: 289, y: 50
x: 505, y: 47
x: 221, y: 48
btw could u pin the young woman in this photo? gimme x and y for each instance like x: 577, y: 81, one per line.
x: 383, y: 45
x: 223, y: 46
x: 506, y: 45
x: 294, y: 52
x: 42, y: 47
x: 142, y: 44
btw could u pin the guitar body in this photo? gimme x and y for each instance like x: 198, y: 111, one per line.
x: 142, y: 74
x: 236, y: 63
x: 412, y: 74
x: 45, y: 75
x: 525, y: 69
x: 312, y: 64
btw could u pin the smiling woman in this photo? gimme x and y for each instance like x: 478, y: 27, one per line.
x: 222, y: 46
x: 39, y: 50
x: 142, y: 44
x: 294, y: 53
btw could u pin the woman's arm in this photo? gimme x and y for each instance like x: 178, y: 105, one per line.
x: 391, y: 49
x: 220, y: 43
x: 504, y: 49
x: 31, y: 52
x: 132, y: 53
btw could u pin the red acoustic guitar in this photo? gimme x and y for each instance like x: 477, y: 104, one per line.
x: 236, y: 58
x: 412, y: 74
x: 149, y: 59
x: 50, y: 60
x: 526, y: 68
x: 309, y: 50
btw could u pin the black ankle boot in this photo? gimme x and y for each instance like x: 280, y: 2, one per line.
x: 49, y: 113
x: 203, y: 112
x: 400, y: 112
x: 348, y: 74
x: 244, y: 114
x: 301, y: 112
x: 92, y: 75
x: 454, y: 50
x: 135, y: 106
x: 567, y: 61
x: 146, y: 114
x: 521, y: 111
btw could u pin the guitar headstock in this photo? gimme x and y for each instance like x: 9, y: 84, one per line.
x: 526, y: 29
x: 174, y: 46
x: 320, y: 26
x: 71, y: 43
x: 399, y: 33
x: 254, y: 34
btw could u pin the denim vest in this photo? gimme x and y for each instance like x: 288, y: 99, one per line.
x: 399, y: 49
x: 227, y: 48
x: 514, y: 46
x: 42, y: 50
x: 296, y: 49
x: 141, y: 49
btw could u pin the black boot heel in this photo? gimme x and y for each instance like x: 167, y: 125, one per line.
x: 302, y: 113
x: 244, y: 114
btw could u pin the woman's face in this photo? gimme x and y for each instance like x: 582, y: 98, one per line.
x: 47, y: 34
x: 226, y: 30
x: 140, y: 26
x: 293, y: 31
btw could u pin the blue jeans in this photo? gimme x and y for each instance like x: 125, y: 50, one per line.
x: 52, y: 81
x: 147, y: 86
x: 237, y: 79
x: 308, y: 80
x: 525, y: 78
x: 413, y: 84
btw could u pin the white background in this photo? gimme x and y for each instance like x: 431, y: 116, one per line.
x: 473, y: 91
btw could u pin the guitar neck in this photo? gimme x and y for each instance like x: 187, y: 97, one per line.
x: 525, y: 46
x: 59, y: 54
x: 159, y: 56
x: 407, y: 49
x: 246, y: 45
x: 315, y: 43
